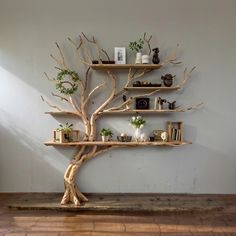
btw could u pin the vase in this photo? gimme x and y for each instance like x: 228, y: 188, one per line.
x: 145, y: 59
x: 138, y: 59
x: 137, y: 134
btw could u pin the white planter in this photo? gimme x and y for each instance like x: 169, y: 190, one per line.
x: 105, y: 138
x: 138, y: 59
x: 145, y: 59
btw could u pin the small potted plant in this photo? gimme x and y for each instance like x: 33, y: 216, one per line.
x: 137, y: 46
x: 106, y: 134
x: 65, y: 133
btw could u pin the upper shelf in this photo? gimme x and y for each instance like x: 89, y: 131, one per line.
x: 125, y: 66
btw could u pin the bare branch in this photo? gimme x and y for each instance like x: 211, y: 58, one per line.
x: 93, y: 91
x: 50, y: 105
x: 59, y: 96
x: 147, y: 40
x: 172, y: 58
x: 194, y: 107
x: 186, y: 76
x: 46, y: 75
x: 99, y: 49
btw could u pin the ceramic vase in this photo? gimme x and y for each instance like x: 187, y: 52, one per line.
x: 138, y: 59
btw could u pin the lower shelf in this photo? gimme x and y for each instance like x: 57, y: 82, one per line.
x: 116, y: 143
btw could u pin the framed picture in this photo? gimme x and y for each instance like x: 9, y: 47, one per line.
x: 120, y: 55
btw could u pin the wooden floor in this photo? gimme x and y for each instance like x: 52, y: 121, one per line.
x: 172, y: 215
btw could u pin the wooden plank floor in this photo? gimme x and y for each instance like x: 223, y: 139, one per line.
x: 216, y: 216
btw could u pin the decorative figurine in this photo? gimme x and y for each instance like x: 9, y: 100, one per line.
x: 164, y: 136
x: 171, y: 105
x: 167, y: 79
x: 155, y: 58
x: 160, y: 103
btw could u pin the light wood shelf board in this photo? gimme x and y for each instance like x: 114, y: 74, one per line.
x: 116, y: 143
x: 150, y: 111
x: 161, y: 89
x: 60, y: 113
x: 125, y: 66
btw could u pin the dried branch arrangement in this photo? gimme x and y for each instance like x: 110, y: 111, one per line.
x: 67, y: 87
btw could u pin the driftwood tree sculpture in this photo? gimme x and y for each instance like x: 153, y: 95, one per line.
x: 72, y: 193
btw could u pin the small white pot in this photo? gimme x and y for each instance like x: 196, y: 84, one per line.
x: 145, y: 59
x: 138, y: 59
x: 105, y: 138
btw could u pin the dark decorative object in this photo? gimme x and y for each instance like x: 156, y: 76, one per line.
x: 108, y: 62
x: 160, y: 103
x: 145, y: 84
x: 171, y: 105
x: 142, y: 103
x: 95, y: 61
x: 124, y: 138
x: 155, y: 58
x: 124, y: 98
x: 167, y: 79
x: 151, y: 139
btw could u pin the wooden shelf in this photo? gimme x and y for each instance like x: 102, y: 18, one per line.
x: 61, y: 113
x: 128, y: 112
x: 125, y: 66
x: 116, y: 143
x: 153, y: 88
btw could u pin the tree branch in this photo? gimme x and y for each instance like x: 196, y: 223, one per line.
x: 50, y: 105
x: 147, y: 40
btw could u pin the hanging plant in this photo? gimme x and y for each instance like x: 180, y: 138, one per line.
x: 71, y: 85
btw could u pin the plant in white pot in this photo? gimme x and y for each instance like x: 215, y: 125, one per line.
x: 137, y: 47
x: 106, y: 134
x: 138, y: 123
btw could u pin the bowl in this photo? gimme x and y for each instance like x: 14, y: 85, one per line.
x: 124, y: 138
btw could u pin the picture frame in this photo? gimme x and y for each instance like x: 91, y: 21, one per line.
x: 120, y: 55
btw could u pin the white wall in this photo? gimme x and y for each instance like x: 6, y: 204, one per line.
x: 206, y: 32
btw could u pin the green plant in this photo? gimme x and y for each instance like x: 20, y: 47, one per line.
x: 137, y: 122
x: 106, y: 132
x: 73, y: 84
x: 67, y: 128
x: 136, y: 46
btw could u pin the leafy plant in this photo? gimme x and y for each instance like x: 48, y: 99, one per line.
x: 137, y: 122
x: 106, y: 132
x: 136, y: 46
x: 67, y: 128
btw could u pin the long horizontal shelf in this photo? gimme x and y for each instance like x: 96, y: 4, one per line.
x: 125, y: 66
x: 116, y: 143
x: 153, y: 88
x: 141, y: 111
x: 61, y: 113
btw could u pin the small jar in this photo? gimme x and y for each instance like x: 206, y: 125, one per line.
x: 145, y: 59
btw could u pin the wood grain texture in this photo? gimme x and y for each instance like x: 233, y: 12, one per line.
x: 40, y: 214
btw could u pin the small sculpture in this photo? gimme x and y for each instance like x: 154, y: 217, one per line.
x: 171, y: 105
x: 155, y: 58
x: 167, y: 79
x: 160, y: 103
x: 164, y: 136
x: 124, y: 100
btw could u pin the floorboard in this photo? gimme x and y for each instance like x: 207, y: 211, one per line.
x: 213, y: 215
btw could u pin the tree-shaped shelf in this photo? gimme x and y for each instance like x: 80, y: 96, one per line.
x: 88, y: 148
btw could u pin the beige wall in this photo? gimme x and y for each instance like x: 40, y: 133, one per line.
x: 206, y: 32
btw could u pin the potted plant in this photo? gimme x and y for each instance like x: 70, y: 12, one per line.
x: 65, y: 133
x: 138, y: 123
x: 137, y: 46
x: 106, y: 134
